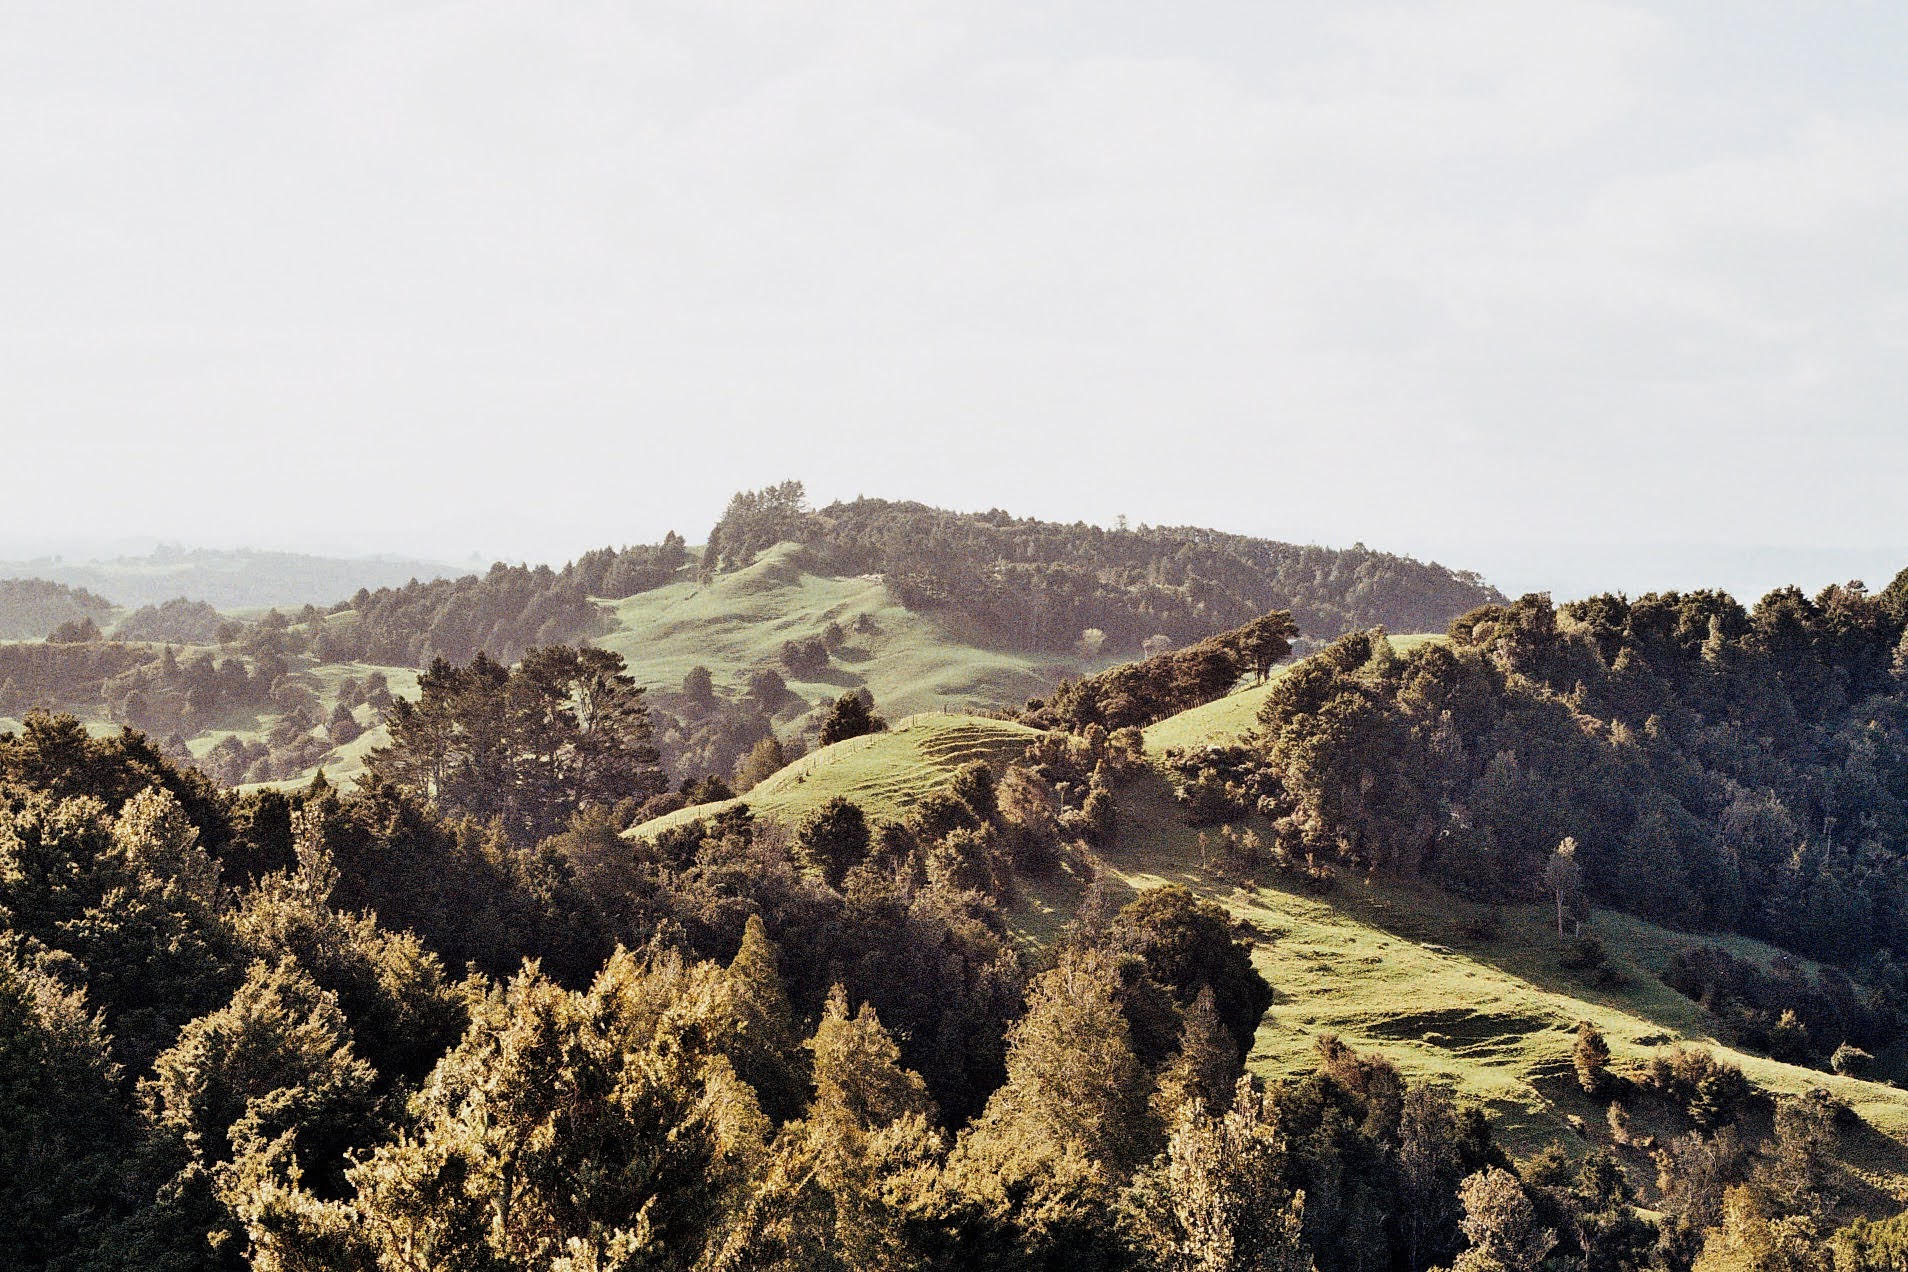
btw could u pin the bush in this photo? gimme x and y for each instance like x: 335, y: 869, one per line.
x: 1851, y: 1061
x: 1713, y: 1092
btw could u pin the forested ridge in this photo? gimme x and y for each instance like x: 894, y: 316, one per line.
x: 1019, y: 582
x: 1041, y: 584
x: 471, y: 1012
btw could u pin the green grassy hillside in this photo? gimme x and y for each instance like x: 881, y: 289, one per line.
x: 1390, y: 969
x: 885, y: 773
x: 737, y: 622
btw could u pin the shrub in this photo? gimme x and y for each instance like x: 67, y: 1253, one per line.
x: 1713, y: 1092
x: 1851, y: 1061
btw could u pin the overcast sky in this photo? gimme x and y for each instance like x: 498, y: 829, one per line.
x: 521, y: 276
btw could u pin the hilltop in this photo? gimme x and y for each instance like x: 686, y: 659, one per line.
x: 786, y: 608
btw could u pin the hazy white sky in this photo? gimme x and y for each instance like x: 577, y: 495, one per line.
x: 520, y: 276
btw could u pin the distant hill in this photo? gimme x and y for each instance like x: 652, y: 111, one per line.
x: 1031, y: 584
x: 236, y: 579
x: 30, y: 608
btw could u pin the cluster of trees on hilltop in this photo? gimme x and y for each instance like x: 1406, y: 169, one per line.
x: 359, y: 1032
x: 62, y: 675
x: 178, y: 621
x: 1039, y: 584
x: 503, y: 613
x: 32, y: 608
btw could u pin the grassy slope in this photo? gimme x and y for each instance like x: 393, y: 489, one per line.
x: 885, y: 773
x: 1386, y: 968
x: 1383, y: 966
x: 736, y: 624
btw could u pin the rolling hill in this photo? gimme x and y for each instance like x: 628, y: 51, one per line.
x: 1412, y: 973
x: 737, y: 622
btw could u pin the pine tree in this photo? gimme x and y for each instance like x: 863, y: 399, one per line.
x: 766, y: 1051
x: 836, y: 1192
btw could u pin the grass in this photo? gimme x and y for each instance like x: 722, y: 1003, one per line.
x: 886, y: 773
x: 736, y: 623
x: 1389, y: 969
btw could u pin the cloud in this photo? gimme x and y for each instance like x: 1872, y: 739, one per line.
x: 1330, y: 270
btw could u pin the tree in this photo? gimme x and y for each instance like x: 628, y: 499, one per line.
x: 833, y: 839
x: 566, y: 729
x: 580, y: 1130
x: 1265, y: 642
x: 699, y: 686
x: 1851, y: 1061
x: 1565, y: 878
x: 343, y: 726
x: 851, y: 717
x: 765, y: 759
x: 74, y: 631
x: 974, y: 786
x: 835, y: 1193
x: 271, y: 1075
x: 1591, y: 1056
x: 1222, y: 1200
x: 1501, y: 1225
x: 1060, y: 1138
x: 1205, y: 1067
x: 63, y: 1134
x: 1430, y: 1164
x: 768, y: 1042
x: 1187, y: 944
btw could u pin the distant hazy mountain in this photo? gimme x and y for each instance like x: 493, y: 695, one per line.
x: 229, y: 579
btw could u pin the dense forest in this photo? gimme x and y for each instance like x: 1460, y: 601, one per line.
x: 455, y: 1019
x: 1042, y: 585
